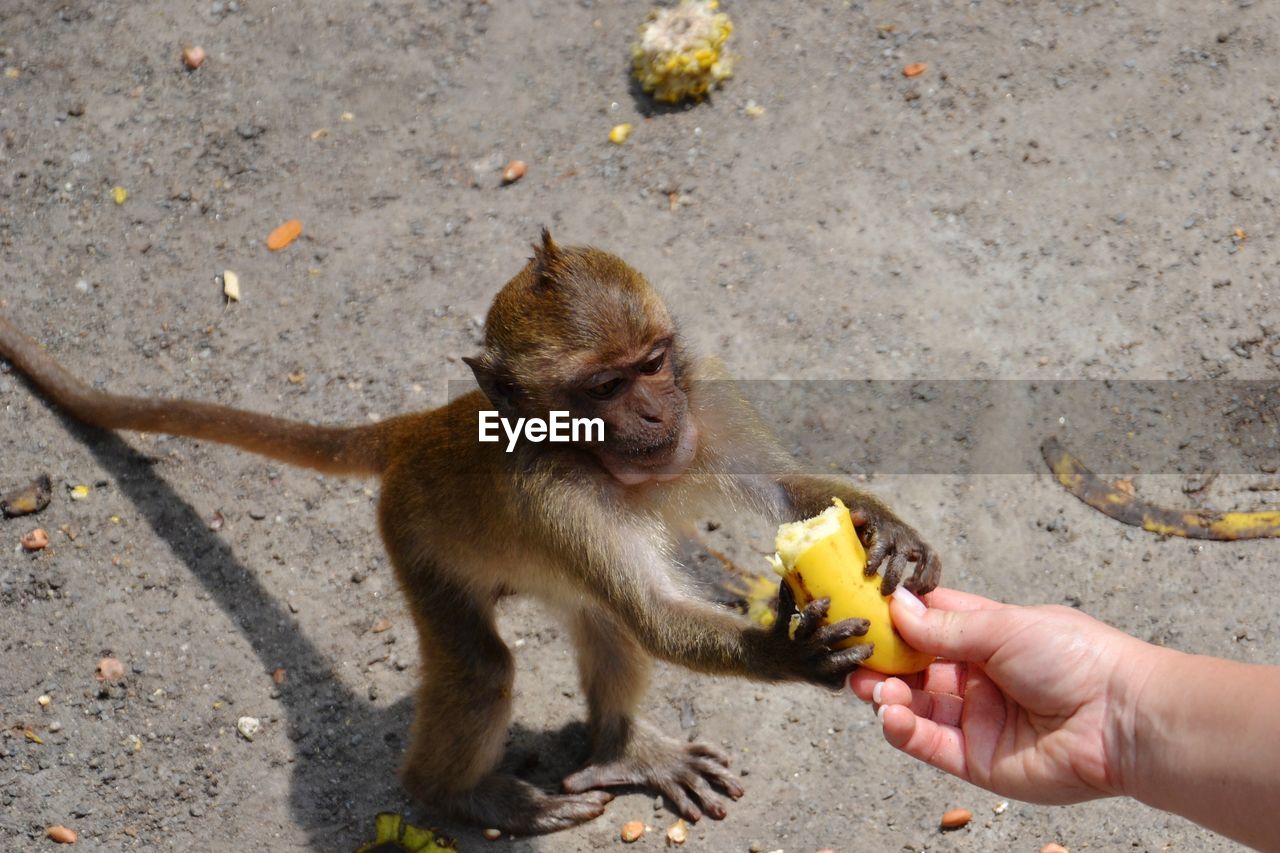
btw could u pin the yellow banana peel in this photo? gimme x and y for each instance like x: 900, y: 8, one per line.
x: 821, y: 557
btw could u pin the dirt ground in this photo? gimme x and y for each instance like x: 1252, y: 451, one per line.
x: 1056, y: 197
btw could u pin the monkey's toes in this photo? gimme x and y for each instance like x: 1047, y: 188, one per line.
x: 686, y: 774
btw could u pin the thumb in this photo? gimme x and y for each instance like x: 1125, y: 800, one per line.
x: 971, y: 636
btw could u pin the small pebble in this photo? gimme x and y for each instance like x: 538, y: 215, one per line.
x: 248, y: 727
x: 632, y: 830
x: 381, y: 625
x: 55, y: 726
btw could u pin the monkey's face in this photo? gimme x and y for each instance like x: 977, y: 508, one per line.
x: 648, y: 434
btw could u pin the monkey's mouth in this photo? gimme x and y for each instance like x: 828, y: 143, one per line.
x: 659, y: 463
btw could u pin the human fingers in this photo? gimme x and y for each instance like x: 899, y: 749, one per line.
x: 960, y: 635
x: 941, y: 746
x: 945, y: 598
x: 862, y: 681
x: 943, y: 708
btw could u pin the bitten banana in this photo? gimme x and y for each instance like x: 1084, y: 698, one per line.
x: 821, y: 557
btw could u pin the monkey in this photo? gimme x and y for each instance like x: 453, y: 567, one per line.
x: 588, y: 528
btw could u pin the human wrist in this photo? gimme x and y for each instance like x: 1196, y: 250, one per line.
x: 1136, y: 710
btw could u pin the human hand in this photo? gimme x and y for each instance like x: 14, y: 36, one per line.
x: 1029, y: 702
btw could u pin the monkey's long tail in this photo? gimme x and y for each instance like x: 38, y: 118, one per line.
x: 333, y: 450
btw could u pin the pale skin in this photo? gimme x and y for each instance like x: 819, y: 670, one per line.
x: 1048, y: 705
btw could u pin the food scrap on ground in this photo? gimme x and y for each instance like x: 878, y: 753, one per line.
x: 393, y: 835
x: 109, y: 669
x: 619, y: 133
x: 231, y: 286
x: 1114, y: 501
x: 35, y: 540
x: 956, y: 818
x: 680, y: 51
x: 193, y: 56
x: 514, y: 171
x: 632, y: 830
x: 915, y: 69
x: 248, y: 727
x: 284, y: 234
x: 62, y: 834
x: 28, y: 499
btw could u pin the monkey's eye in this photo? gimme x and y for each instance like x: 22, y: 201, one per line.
x: 605, y: 390
x: 654, y: 364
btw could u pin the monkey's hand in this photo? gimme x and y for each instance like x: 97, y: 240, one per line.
x: 896, y: 545
x: 687, y: 774
x: 800, y: 648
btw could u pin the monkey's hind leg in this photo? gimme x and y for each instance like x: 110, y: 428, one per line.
x: 460, y: 723
x: 629, y: 751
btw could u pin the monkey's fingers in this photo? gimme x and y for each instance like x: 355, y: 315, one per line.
x: 809, y: 621
x: 786, y: 605
x: 669, y: 781
x: 882, y: 546
x: 595, y: 776
x: 719, y: 774
x: 835, y: 667
x: 515, y: 806
x: 928, y: 573
x: 706, y: 750
x: 846, y: 629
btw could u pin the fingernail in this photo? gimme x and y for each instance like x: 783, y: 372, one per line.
x: 908, y: 598
x: 875, y: 692
x: 880, y: 713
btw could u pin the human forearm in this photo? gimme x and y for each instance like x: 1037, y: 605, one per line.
x: 1204, y: 742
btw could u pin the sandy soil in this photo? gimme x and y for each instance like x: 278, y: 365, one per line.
x: 1056, y: 197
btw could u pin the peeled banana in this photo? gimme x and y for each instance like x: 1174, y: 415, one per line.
x: 821, y: 557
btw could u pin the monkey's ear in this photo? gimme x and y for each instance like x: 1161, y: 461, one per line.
x: 546, y: 259
x: 548, y: 247
x: 501, y: 391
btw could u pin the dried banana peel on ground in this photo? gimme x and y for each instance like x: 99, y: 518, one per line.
x: 821, y: 557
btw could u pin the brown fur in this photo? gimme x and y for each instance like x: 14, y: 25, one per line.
x: 588, y: 529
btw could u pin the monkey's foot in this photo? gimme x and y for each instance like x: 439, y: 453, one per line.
x: 682, y: 772
x: 507, y: 803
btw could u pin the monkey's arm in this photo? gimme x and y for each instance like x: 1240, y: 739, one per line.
x: 633, y: 581
x: 335, y: 450
x: 890, y: 540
